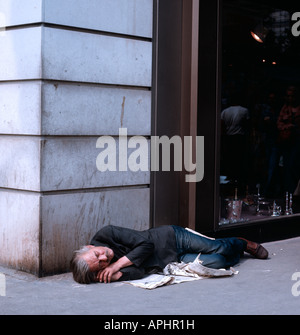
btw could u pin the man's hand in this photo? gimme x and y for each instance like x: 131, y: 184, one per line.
x: 114, y: 277
x: 112, y: 271
x: 108, y: 274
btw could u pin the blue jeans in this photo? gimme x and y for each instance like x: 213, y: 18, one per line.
x: 216, y: 254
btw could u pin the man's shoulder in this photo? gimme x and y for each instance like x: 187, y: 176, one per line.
x: 105, y: 231
x: 106, y: 228
x: 229, y: 110
x: 113, y: 229
x: 244, y: 109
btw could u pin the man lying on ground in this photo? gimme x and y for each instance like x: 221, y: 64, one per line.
x: 117, y: 253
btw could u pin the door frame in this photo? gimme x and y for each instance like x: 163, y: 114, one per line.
x: 174, y: 104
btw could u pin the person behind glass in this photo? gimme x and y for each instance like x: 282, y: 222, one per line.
x: 289, y: 138
x: 235, y: 126
x: 117, y: 253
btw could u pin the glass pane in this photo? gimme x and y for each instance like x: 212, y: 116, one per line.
x: 260, y: 118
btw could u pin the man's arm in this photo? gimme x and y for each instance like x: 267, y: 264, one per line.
x: 112, y: 272
x: 131, y: 243
x: 127, y: 273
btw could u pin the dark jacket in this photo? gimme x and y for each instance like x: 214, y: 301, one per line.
x: 148, y: 250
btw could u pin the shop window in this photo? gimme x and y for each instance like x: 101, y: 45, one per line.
x: 260, y: 114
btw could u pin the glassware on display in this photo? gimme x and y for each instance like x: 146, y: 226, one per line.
x: 288, y: 204
x: 241, y: 210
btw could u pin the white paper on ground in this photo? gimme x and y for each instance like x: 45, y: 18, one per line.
x: 175, y: 273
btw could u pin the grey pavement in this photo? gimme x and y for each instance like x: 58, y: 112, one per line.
x: 262, y: 287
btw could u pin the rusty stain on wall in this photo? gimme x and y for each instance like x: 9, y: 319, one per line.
x: 123, y: 111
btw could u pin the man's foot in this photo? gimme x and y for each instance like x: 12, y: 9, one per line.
x: 255, y: 249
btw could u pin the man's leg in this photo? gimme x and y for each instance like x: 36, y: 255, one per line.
x: 189, y: 243
x: 231, y: 248
x: 214, y: 261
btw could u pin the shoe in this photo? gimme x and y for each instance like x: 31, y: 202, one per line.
x: 255, y: 249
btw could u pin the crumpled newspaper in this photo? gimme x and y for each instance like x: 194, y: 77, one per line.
x: 196, y: 269
x: 175, y: 273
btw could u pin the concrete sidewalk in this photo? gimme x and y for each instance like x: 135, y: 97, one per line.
x: 262, y: 287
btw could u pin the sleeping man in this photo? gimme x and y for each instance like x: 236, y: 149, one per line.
x: 117, y: 253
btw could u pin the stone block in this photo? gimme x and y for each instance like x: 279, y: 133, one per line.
x: 129, y: 17
x: 70, y: 163
x: 20, y: 162
x: 70, y: 109
x: 18, y: 12
x: 20, y: 230
x: 93, y: 58
x: 20, y: 56
x: 20, y: 108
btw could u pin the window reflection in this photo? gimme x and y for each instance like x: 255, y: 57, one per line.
x: 260, y: 117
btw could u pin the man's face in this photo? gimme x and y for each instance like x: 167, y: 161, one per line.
x: 98, y: 258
